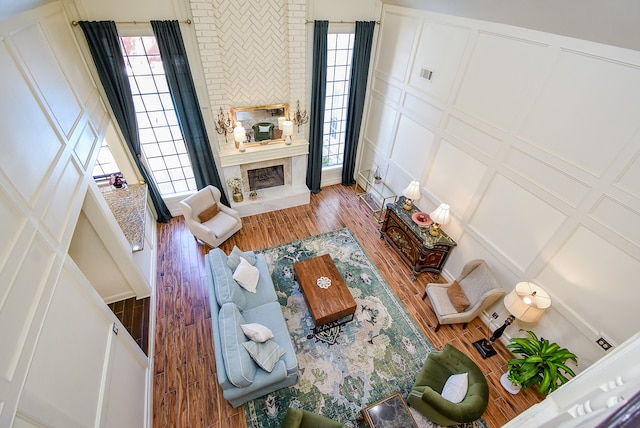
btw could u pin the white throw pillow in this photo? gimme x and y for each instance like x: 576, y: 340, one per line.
x: 257, y: 332
x: 247, y: 275
x: 455, y: 388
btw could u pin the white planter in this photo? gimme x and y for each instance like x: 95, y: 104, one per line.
x: 508, y: 385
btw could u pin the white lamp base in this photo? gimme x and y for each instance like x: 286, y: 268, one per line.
x: 508, y: 385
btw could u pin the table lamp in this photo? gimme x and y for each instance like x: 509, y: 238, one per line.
x: 526, y: 302
x: 287, y: 131
x: 239, y: 135
x: 439, y: 216
x: 411, y: 193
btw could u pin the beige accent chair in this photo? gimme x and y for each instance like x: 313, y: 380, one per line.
x: 480, y: 286
x: 218, y: 229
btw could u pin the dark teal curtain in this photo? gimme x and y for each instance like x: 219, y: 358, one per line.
x: 185, y: 101
x: 104, y: 45
x: 318, y: 92
x: 357, y: 89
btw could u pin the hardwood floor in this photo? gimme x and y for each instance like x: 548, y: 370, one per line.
x: 186, y: 393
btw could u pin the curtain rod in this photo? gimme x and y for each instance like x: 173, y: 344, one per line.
x: 186, y: 21
x: 338, y: 22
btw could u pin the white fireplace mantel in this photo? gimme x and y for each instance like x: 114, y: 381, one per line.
x: 230, y: 156
x: 293, y: 193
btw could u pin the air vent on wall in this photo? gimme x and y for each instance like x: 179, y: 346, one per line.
x: 426, y: 74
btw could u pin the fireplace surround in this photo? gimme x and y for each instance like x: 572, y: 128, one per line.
x: 291, y: 159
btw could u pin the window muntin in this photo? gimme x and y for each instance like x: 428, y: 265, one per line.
x: 339, y: 56
x: 161, y: 138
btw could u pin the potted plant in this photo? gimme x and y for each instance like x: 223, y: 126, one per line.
x: 377, y: 174
x: 236, y: 184
x: 539, y: 362
x: 253, y: 195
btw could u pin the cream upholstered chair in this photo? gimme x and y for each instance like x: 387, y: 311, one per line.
x: 220, y: 227
x: 480, y: 287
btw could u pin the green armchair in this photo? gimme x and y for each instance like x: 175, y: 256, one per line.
x: 300, y: 418
x: 263, y: 131
x: 425, y: 395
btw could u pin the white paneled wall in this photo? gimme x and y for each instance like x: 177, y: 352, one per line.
x: 533, y: 140
x: 60, y: 363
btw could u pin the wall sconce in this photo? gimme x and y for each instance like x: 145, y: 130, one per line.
x: 526, y: 302
x: 300, y: 118
x: 439, y: 216
x: 411, y: 193
x: 239, y: 135
x: 287, y: 131
x: 223, y: 126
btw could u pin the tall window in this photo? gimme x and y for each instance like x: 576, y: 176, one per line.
x: 339, y: 56
x: 160, y: 134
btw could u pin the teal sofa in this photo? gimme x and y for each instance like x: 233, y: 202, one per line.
x: 425, y: 395
x: 240, y: 378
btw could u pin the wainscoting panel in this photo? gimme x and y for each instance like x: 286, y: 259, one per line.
x: 388, y: 91
x: 440, y: 51
x: 26, y: 172
x: 25, y: 279
x: 617, y: 217
x: 67, y: 373
x: 47, y: 77
x: 59, y: 34
x: 585, y: 112
x: 553, y: 180
x: 505, y: 216
x: 412, y: 147
x: 590, y: 274
x: 85, y: 145
x: 498, y: 77
x: 455, y: 176
x: 381, y: 123
x: 629, y: 181
x: 64, y: 205
x: 473, y: 136
x: 395, y: 45
x: 421, y: 111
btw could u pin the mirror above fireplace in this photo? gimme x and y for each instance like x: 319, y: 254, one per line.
x: 262, y: 124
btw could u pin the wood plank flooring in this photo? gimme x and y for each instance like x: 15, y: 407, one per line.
x: 186, y: 393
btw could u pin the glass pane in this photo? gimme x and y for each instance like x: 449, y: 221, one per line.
x: 152, y: 102
x: 158, y: 126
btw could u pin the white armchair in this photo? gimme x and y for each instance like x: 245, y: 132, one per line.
x: 480, y: 287
x: 220, y: 227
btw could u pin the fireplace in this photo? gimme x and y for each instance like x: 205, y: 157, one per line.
x: 277, y: 171
x: 263, y: 178
x: 266, y: 174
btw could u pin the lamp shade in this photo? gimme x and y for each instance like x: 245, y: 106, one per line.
x: 441, y: 214
x: 287, y: 128
x: 412, y: 191
x: 527, y: 301
x: 239, y: 134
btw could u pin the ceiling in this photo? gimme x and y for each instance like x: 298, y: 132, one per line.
x: 609, y: 22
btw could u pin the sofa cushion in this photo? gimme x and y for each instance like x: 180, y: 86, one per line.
x: 209, y: 213
x: 455, y: 388
x: 233, y: 260
x: 238, y: 363
x: 458, y: 297
x: 247, y: 275
x: 257, y: 332
x: 265, y: 354
x: 226, y: 288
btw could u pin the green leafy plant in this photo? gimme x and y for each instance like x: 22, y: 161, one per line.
x: 539, y: 363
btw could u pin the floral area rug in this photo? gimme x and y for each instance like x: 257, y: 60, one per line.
x: 346, y: 367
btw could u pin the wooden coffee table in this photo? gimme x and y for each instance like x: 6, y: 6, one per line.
x: 325, y: 304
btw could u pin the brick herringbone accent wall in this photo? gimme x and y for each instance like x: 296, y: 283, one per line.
x: 253, y: 51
